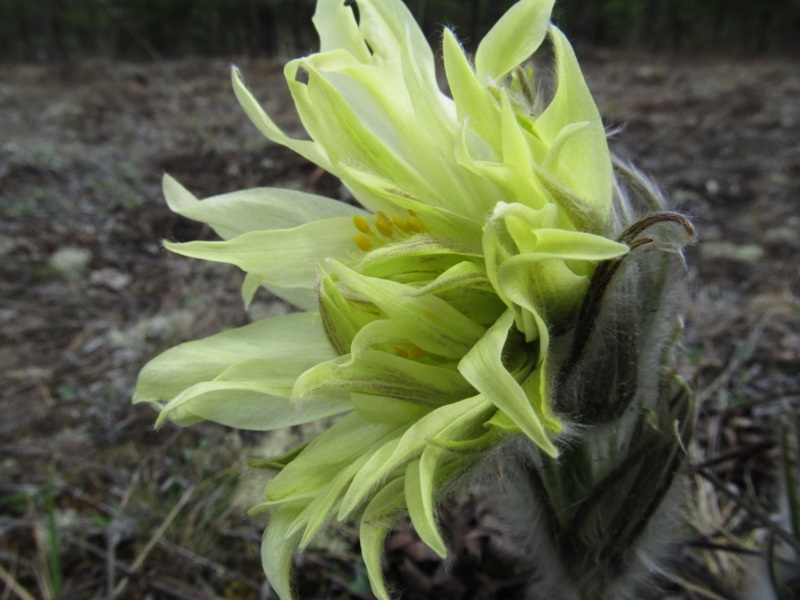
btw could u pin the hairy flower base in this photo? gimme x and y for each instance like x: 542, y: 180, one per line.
x: 601, y: 505
x: 461, y: 308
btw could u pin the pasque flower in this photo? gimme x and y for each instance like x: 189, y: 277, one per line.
x: 427, y: 319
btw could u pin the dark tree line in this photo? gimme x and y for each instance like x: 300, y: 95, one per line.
x: 53, y: 29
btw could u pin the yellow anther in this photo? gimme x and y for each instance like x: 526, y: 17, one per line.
x: 415, y: 352
x: 400, y: 224
x: 384, y: 227
x: 362, y: 242
x: 361, y: 224
x: 415, y: 225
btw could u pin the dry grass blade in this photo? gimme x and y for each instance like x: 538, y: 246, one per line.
x: 137, y: 564
x: 13, y: 585
x: 741, y: 354
x: 753, y: 511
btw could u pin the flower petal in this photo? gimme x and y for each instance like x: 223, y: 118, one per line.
x: 277, y: 548
x: 584, y: 161
x: 308, y: 149
x: 419, y: 489
x: 294, y: 338
x: 458, y: 419
x: 322, y: 507
x: 382, y: 374
x: 386, y: 24
x: 483, y: 368
x: 253, y: 394
x: 256, y: 209
x: 513, y: 39
x: 285, y: 258
x: 388, y: 196
x: 429, y: 322
x: 310, y: 472
x: 414, y: 253
x: 473, y: 102
x: 379, y: 516
x: 337, y: 28
x: 359, y: 129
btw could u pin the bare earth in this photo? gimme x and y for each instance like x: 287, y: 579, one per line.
x: 95, y: 504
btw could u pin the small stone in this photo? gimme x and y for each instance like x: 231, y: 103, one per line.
x: 730, y: 251
x: 110, y: 278
x: 70, y: 263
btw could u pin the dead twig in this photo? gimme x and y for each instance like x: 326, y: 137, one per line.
x: 137, y: 564
x: 13, y: 585
x: 751, y: 510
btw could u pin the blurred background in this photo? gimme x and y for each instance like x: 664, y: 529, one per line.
x: 154, y: 29
x: 98, y: 99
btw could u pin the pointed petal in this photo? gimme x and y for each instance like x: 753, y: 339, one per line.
x: 550, y: 243
x: 513, y: 39
x: 348, y: 440
x: 429, y: 322
x: 382, y: 374
x: 584, y: 160
x: 386, y: 23
x: 401, y: 256
x: 379, y: 516
x: 449, y: 421
x: 419, y: 498
x: 379, y: 193
x: 483, y: 368
x: 360, y: 130
x: 341, y: 318
x: 308, y: 149
x: 295, y: 337
x: 382, y: 409
x: 256, y: 209
x: 301, y: 297
x: 277, y: 549
x: 552, y: 275
x: 321, y: 508
x: 285, y: 258
x: 473, y: 102
x: 253, y: 394
x: 336, y: 25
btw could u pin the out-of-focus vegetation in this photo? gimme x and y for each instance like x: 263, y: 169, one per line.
x: 53, y: 29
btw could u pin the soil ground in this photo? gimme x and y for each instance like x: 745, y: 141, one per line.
x: 96, y: 504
